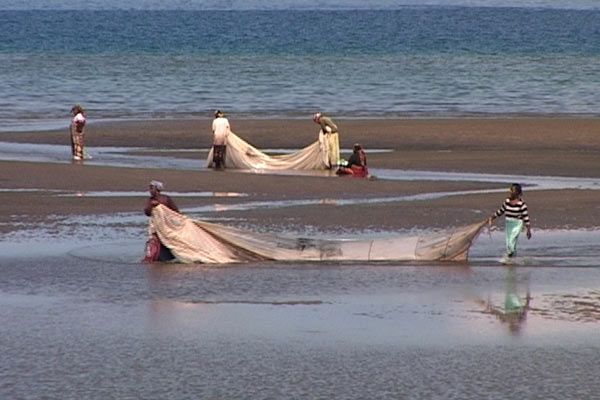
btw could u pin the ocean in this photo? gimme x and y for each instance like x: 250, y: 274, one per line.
x: 266, y: 59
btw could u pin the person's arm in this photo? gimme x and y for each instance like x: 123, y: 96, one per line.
x: 526, y: 220
x: 72, y: 126
x: 325, y: 123
x: 498, y: 212
x: 150, y: 204
x: 362, y: 156
x: 171, y: 204
x: 353, y: 160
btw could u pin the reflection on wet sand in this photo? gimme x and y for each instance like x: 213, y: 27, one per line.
x: 514, y: 311
x: 518, y: 303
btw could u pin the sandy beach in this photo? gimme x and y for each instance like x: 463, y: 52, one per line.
x: 560, y: 147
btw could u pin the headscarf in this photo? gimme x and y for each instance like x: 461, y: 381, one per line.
x: 157, y: 184
x: 77, y: 109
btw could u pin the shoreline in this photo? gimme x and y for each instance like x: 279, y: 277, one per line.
x: 60, y: 124
x: 502, y: 146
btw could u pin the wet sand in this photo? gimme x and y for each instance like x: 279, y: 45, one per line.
x: 515, y: 146
x: 519, y: 145
x: 82, y: 317
x: 76, y: 328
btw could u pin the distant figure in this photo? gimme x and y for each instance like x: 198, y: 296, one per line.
x: 77, y: 131
x: 516, y: 215
x: 155, y: 250
x: 357, y: 163
x: 221, y: 131
x: 331, y: 138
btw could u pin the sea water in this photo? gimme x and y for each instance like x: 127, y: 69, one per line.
x: 264, y: 59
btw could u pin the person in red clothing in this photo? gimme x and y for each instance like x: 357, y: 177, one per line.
x: 155, y: 250
x: 357, y: 164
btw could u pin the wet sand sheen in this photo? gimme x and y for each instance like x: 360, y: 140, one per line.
x: 83, y: 318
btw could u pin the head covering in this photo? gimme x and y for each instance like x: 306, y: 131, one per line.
x: 77, y: 108
x: 316, y: 116
x: 157, y: 184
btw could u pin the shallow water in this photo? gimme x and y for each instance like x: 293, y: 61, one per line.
x: 107, y: 193
x: 113, y: 156
x: 558, y: 248
x: 82, y: 317
x: 123, y: 157
x: 77, y: 328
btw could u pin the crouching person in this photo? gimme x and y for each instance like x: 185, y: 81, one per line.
x: 155, y: 249
x: 357, y: 164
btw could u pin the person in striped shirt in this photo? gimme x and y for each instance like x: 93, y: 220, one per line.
x: 516, y: 215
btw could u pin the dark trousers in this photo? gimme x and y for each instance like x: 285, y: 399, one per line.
x: 219, y: 155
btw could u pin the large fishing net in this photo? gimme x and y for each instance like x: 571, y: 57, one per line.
x: 319, y: 155
x: 195, y: 241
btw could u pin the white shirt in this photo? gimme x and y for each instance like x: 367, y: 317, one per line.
x: 78, y: 122
x: 221, y: 129
x: 78, y: 119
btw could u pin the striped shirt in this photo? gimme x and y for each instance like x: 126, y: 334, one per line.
x: 517, y: 210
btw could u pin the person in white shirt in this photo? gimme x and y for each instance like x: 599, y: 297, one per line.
x: 76, y: 129
x: 221, y: 130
